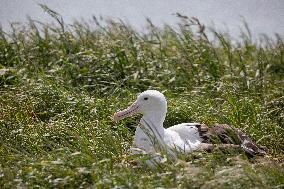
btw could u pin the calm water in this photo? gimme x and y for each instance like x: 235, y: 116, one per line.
x: 263, y: 16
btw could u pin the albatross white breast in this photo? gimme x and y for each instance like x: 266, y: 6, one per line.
x: 151, y: 136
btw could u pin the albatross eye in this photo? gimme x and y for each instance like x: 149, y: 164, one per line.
x: 146, y: 98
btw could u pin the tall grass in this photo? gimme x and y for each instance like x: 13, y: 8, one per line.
x: 61, y: 83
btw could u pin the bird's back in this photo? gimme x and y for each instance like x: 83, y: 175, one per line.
x: 185, y: 136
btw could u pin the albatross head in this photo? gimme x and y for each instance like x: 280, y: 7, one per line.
x: 150, y: 102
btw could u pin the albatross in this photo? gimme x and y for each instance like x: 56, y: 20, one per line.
x: 151, y: 136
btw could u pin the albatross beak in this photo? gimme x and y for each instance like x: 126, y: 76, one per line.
x: 126, y: 113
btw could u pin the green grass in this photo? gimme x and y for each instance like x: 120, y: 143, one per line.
x: 60, y: 85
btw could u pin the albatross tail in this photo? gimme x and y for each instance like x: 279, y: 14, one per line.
x: 225, y: 134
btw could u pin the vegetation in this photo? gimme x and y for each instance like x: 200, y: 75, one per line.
x: 60, y: 85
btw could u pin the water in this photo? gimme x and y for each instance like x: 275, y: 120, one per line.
x: 263, y: 16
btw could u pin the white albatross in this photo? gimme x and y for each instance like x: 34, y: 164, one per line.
x: 151, y: 136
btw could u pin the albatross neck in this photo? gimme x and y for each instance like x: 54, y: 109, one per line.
x: 154, y: 120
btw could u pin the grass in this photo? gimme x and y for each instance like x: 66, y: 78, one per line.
x: 60, y: 85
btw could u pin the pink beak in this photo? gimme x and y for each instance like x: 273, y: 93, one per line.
x: 126, y: 113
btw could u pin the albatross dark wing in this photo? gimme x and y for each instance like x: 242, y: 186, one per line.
x: 225, y: 134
